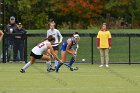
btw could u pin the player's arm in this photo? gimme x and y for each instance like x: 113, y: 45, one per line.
x: 1, y: 35
x: 68, y: 47
x: 52, y: 52
x: 47, y: 34
x: 48, y: 52
x: 61, y: 37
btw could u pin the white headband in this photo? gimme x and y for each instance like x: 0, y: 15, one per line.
x: 76, y: 36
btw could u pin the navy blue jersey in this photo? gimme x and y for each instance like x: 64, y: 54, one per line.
x: 64, y: 45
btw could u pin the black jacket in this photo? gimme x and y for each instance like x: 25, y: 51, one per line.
x: 20, y: 34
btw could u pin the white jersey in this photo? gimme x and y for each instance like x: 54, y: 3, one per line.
x: 55, y: 33
x: 40, y: 48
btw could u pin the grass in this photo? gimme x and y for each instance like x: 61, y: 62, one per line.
x: 88, y: 79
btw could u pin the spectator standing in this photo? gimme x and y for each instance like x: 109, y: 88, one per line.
x: 10, y: 28
x: 18, y: 46
x: 104, y: 42
x: 55, y: 33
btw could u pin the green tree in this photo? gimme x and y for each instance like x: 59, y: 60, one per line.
x: 122, y: 8
x: 32, y: 13
x: 83, y: 11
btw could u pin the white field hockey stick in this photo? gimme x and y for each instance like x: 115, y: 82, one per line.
x: 77, y: 47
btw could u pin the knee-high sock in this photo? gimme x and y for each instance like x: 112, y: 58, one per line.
x: 56, y: 63
x: 26, y: 65
x: 71, y: 61
x: 58, y: 66
x: 48, y: 64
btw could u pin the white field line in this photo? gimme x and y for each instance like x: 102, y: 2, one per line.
x: 90, y: 75
x: 60, y: 88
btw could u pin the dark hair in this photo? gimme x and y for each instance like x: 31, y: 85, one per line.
x: 50, y: 38
x: 74, y: 33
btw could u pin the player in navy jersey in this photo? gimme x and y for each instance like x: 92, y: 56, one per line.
x: 67, y: 48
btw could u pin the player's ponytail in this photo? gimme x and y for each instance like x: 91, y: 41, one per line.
x: 44, y: 39
x: 50, y: 38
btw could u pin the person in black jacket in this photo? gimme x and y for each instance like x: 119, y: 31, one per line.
x: 19, y: 39
x: 10, y: 28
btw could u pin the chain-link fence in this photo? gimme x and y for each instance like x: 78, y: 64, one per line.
x: 125, y: 48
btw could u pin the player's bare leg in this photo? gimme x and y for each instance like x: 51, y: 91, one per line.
x: 32, y: 60
x: 49, y: 67
x: 56, y: 62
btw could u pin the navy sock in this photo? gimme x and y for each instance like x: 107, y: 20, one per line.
x: 71, y: 61
x: 58, y: 66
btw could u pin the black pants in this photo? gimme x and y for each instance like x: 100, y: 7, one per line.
x: 18, y: 47
x: 9, y: 48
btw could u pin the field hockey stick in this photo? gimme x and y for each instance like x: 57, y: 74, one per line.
x: 76, y: 50
x: 75, y: 54
x: 77, y: 47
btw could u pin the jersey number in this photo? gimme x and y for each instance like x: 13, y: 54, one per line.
x: 41, y: 45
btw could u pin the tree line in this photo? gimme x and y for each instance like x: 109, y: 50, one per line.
x: 73, y: 14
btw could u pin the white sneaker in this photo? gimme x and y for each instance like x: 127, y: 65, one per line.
x: 101, y: 66
x: 107, y: 65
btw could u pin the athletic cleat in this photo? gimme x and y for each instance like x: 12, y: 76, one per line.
x: 71, y: 69
x: 22, y: 71
x: 50, y: 70
x: 56, y: 70
x: 75, y: 68
x: 107, y: 65
x: 101, y: 66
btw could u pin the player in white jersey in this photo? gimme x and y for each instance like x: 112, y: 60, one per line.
x: 55, y: 33
x: 37, y: 53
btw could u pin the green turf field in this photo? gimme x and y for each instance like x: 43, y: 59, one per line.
x: 88, y: 79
